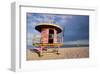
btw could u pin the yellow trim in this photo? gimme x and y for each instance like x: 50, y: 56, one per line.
x: 47, y: 44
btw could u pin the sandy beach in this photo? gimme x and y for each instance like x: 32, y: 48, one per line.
x: 65, y: 53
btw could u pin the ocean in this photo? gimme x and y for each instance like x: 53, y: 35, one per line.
x: 64, y: 46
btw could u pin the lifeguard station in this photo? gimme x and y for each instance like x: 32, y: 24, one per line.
x: 49, y: 37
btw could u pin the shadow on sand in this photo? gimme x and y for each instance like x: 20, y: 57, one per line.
x: 35, y: 51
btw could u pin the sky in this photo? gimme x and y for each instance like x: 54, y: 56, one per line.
x: 76, y: 27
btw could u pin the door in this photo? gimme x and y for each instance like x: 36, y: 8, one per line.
x: 51, y: 36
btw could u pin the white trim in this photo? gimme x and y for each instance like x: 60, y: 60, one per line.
x: 19, y: 62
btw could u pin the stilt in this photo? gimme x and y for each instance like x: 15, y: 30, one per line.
x: 41, y: 51
x: 58, y: 50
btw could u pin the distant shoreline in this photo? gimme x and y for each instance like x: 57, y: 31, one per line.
x: 64, y: 46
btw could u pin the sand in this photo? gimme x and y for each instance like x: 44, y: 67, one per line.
x: 65, y: 53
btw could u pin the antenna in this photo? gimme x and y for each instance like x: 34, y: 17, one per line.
x: 63, y: 33
x: 63, y: 30
x: 50, y: 21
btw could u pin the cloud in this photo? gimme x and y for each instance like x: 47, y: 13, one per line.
x: 33, y: 38
x: 29, y: 38
x: 48, y: 18
x: 70, y: 22
x: 34, y: 19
